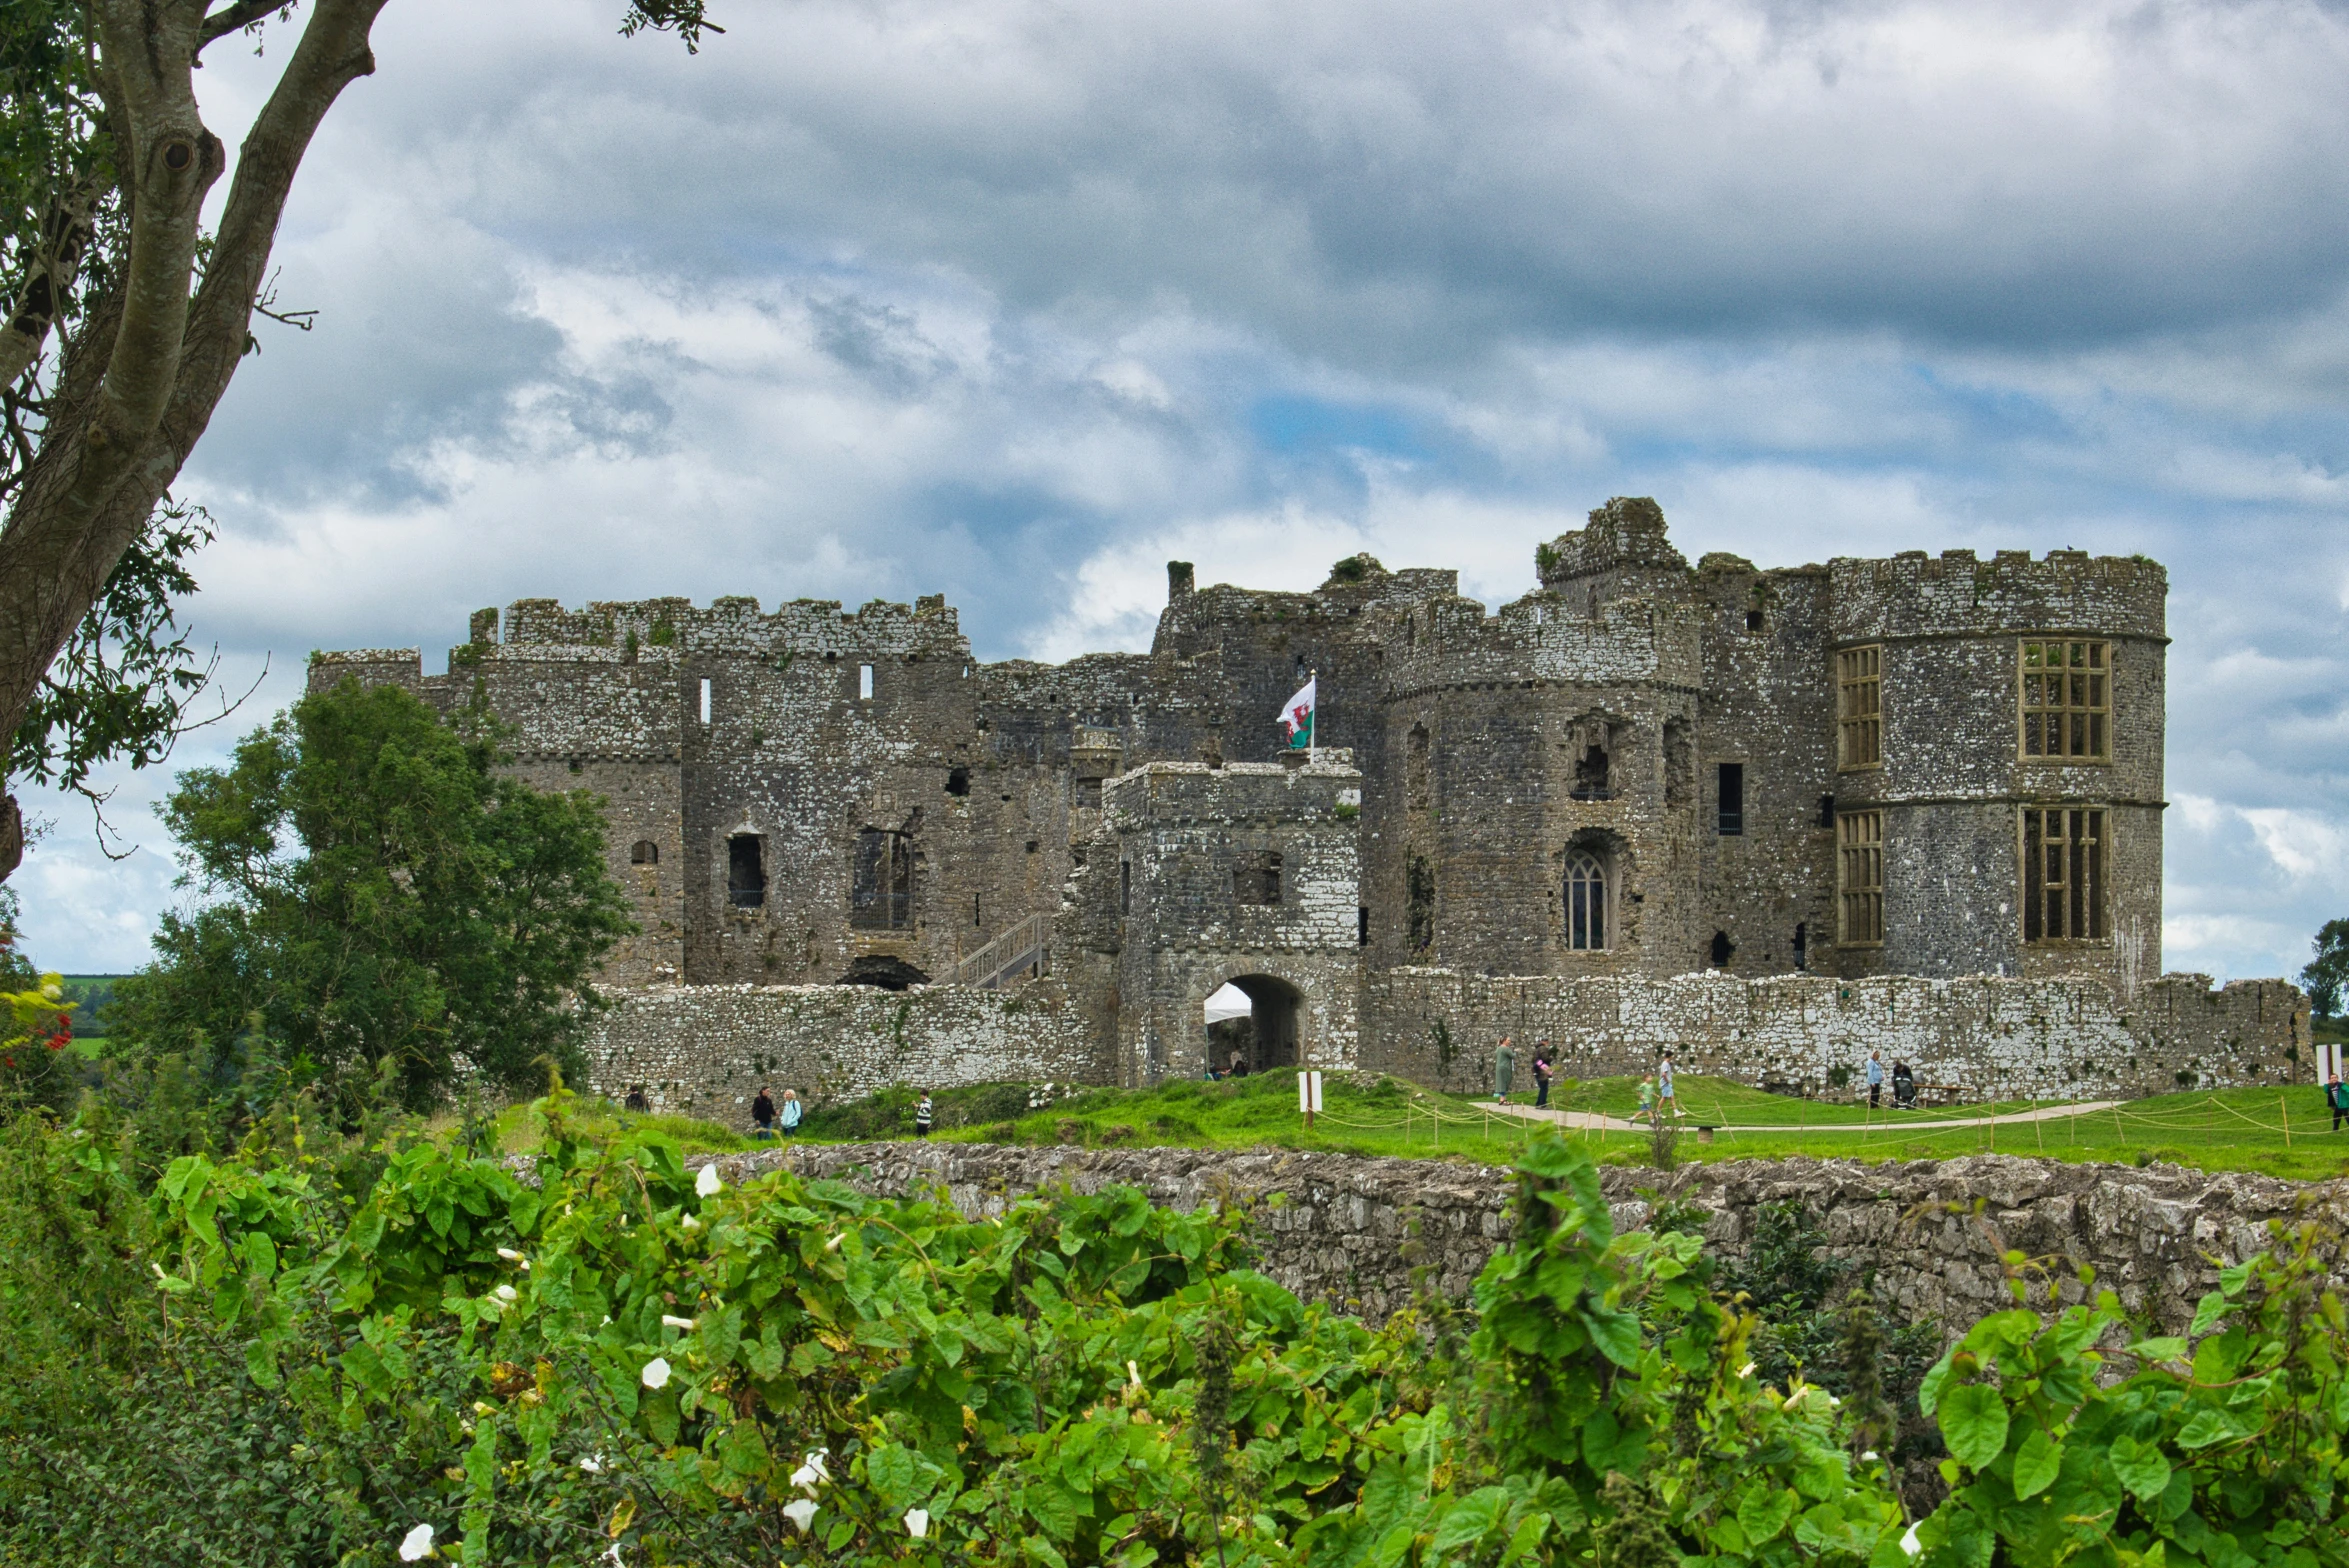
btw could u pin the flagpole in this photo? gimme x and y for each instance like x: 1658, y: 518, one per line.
x: 1313, y: 737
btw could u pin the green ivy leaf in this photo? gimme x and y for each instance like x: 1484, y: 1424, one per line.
x: 1763, y: 1514
x: 1469, y: 1520
x: 2140, y: 1466
x: 2036, y: 1463
x: 1973, y: 1423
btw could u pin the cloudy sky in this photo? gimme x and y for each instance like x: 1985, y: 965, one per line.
x: 1017, y: 300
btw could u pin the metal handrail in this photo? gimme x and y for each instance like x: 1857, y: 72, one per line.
x: 1006, y: 955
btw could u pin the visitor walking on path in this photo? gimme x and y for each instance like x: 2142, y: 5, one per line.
x: 762, y: 1115
x: 1647, y: 1101
x: 2337, y: 1096
x: 923, y: 1116
x: 1875, y: 1079
x: 792, y: 1111
x: 1504, y: 1070
x: 1541, y: 1074
x: 1665, y: 1100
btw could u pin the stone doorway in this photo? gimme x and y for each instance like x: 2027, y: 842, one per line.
x: 1265, y: 1036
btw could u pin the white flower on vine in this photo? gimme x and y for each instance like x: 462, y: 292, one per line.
x: 691, y: 1223
x: 1910, y: 1544
x: 799, y: 1511
x: 1869, y: 1457
x: 509, y: 1254
x: 1133, y: 1375
x: 613, y: 1552
x: 917, y: 1522
x: 683, y: 1324
x: 1747, y: 1370
x: 811, y: 1470
x: 593, y: 1464
x: 707, y: 1183
x: 656, y: 1373
x: 416, y: 1544
x: 507, y: 1293
x: 834, y: 1244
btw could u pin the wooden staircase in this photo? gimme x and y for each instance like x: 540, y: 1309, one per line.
x: 1011, y: 955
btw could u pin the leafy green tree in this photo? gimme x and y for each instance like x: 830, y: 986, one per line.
x: 383, y: 894
x: 2326, y: 977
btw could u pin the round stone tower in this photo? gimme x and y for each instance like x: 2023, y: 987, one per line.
x: 1998, y: 752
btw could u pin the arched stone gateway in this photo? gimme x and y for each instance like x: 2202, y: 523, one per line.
x: 1266, y: 1036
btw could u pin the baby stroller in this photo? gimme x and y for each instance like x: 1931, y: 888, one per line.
x: 1904, y: 1087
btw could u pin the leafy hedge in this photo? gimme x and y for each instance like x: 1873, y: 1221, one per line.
x: 614, y: 1358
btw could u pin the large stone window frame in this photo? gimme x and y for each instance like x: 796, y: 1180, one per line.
x: 2063, y: 699
x: 880, y: 884
x: 1256, y: 878
x: 2066, y: 852
x: 1589, y: 891
x: 1859, y: 878
x: 1859, y: 708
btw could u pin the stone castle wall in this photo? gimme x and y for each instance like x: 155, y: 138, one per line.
x: 1349, y: 1231
x: 1993, y: 1038
x: 705, y: 1050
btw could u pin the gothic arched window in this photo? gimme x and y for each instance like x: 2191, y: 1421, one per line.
x: 1586, y: 902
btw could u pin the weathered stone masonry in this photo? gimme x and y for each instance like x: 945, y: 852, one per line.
x: 1632, y: 809
x: 1337, y: 1228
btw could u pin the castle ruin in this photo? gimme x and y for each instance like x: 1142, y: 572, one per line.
x: 1766, y: 818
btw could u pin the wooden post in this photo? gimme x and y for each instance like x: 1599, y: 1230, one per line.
x: 2285, y: 1111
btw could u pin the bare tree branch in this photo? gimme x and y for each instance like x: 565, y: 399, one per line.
x: 239, y: 16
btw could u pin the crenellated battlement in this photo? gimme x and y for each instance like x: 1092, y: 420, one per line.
x: 1957, y: 592
x: 1546, y: 637
x: 731, y: 625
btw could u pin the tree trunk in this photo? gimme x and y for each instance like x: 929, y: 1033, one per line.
x: 145, y: 373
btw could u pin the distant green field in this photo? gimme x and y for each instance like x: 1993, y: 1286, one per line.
x: 2279, y: 1132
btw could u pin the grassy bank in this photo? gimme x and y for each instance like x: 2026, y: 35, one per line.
x: 2277, y: 1132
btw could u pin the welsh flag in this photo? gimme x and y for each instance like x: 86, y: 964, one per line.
x: 1297, y: 717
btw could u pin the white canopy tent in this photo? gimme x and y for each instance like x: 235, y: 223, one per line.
x: 1229, y: 1002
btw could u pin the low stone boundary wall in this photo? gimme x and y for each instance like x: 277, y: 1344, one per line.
x: 1334, y: 1228
x: 1995, y: 1038
x: 707, y: 1048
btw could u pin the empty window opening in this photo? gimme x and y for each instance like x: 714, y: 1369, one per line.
x: 1731, y: 798
x: 1859, y: 877
x: 1125, y: 887
x: 1722, y: 950
x: 1418, y: 783
x: 1035, y: 844
x: 880, y: 892
x: 1754, y: 621
x: 746, y: 871
x: 1089, y: 794
x: 958, y: 781
x: 1362, y: 925
x: 974, y: 909
x: 705, y: 699
x: 1420, y: 885
x: 1590, y: 774
x: 1826, y: 811
x: 2063, y: 874
x: 1257, y: 878
x: 1859, y: 707
x: 2067, y: 700
x: 644, y: 852
x: 864, y: 683
x: 886, y: 971
x: 1586, y: 902
x: 1802, y: 945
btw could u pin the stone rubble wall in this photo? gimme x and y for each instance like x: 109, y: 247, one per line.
x: 1996, y: 1038
x: 705, y: 1049
x: 1340, y: 1229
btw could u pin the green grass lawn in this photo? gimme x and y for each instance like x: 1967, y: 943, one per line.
x: 2231, y: 1129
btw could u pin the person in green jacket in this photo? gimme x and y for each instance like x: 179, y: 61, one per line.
x: 1504, y: 1070
x: 2337, y: 1096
